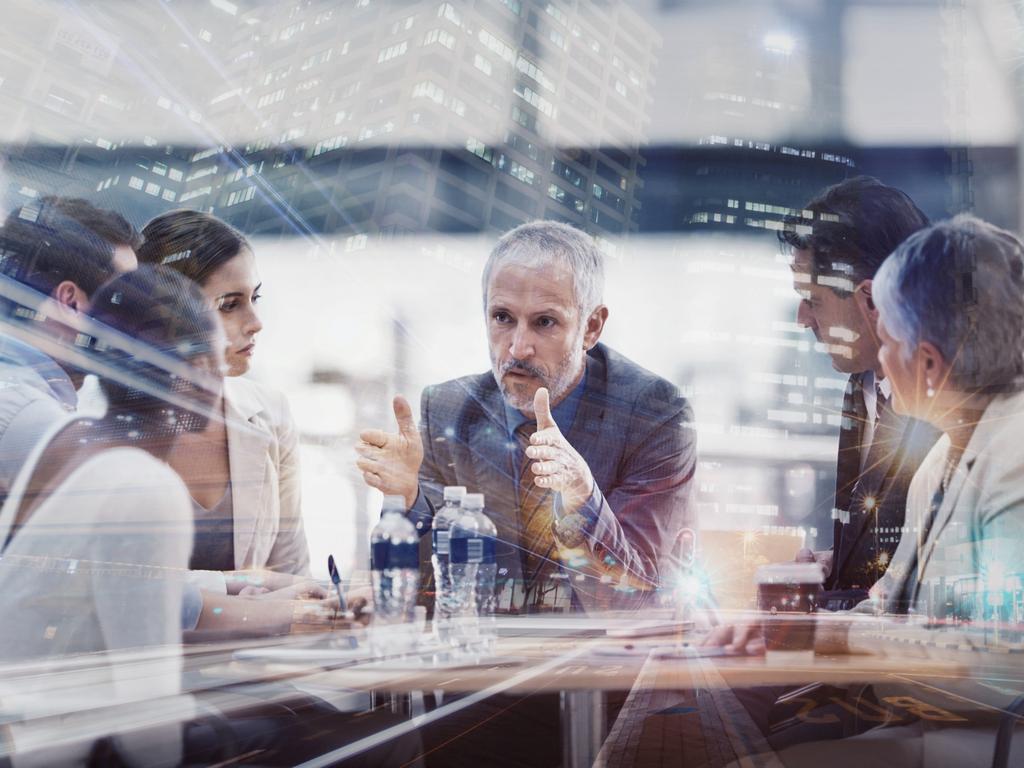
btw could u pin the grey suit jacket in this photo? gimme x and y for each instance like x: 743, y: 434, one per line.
x: 973, y: 546
x: 635, y: 432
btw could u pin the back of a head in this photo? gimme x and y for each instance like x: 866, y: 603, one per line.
x: 193, y: 243
x: 168, y: 314
x: 544, y: 241
x: 41, y: 246
x: 854, y: 226
x: 959, y: 284
x: 109, y: 226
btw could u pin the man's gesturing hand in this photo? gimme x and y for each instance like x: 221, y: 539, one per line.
x: 556, y: 463
x: 391, y: 461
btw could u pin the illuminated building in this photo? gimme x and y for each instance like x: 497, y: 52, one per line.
x: 432, y: 116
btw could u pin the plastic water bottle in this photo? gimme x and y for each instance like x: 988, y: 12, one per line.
x: 443, y: 598
x: 473, y: 568
x: 394, y: 564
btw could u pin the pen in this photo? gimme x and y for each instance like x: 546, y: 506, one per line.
x: 336, y: 580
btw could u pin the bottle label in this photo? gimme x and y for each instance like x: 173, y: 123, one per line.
x: 379, y: 555
x: 441, y: 542
x: 388, y: 554
x: 404, y: 554
x: 475, y: 550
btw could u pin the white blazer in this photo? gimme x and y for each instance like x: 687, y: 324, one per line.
x: 266, y: 492
x: 978, y: 532
x: 98, y: 569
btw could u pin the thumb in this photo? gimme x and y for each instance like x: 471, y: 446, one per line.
x: 403, y: 415
x: 542, y: 409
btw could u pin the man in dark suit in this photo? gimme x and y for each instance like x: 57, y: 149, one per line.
x: 851, y: 229
x: 585, y: 458
x: 836, y: 252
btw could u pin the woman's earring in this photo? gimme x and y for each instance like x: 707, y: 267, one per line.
x: 930, y: 392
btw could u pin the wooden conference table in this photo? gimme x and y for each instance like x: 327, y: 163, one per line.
x: 671, y: 702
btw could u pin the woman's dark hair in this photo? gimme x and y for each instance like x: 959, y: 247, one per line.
x: 170, y: 327
x: 194, y: 243
x: 853, y: 226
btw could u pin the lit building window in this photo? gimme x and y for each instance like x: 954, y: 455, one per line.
x: 504, y: 50
x: 484, y: 65
x: 440, y: 37
x: 480, y: 149
x: 355, y: 243
x: 447, y: 11
x: 533, y: 98
x: 555, y: 12
x: 428, y: 89
x: 329, y: 145
x: 392, y: 51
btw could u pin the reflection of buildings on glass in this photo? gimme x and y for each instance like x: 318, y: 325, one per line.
x: 90, y: 101
x: 431, y: 116
x: 768, y: 93
x: 768, y: 83
x: 451, y: 116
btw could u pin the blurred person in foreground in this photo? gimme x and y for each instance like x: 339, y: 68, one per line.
x: 585, y: 459
x: 836, y: 252
x: 951, y: 325
x: 57, y: 251
x: 96, y: 536
x: 96, y: 530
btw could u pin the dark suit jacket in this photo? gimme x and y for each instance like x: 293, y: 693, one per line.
x: 876, y: 498
x: 634, y: 430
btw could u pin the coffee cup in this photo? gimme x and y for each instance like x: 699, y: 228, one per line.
x: 787, y: 596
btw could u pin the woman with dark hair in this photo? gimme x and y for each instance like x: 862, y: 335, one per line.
x: 96, y: 532
x: 242, y: 471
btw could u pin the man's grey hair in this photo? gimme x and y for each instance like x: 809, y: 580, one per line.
x: 542, y: 242
x: 959, y: 284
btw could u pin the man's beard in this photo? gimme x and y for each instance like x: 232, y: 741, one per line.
x: 558, y: 384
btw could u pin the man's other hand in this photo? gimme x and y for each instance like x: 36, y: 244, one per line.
x: 556, y: 464
x: 390, y: 461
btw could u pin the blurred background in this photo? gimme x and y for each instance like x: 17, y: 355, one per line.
x: 374, y: 150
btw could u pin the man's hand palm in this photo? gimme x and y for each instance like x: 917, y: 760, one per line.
x: 390, y: 461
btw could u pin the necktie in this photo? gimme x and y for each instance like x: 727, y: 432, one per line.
x: 881, y: 401
x: 536, y: 512
x: 851, y: 437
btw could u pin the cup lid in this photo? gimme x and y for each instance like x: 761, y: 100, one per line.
x: 789, y: 573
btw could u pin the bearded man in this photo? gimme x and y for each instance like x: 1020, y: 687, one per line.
x: 585, y: 459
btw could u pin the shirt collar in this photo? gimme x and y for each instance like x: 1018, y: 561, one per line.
x: 38, y: 370
x: 872, y: 386
x: 564, y: 412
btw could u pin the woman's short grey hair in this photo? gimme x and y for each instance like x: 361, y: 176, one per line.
x: 959, y: 284
x: 541, y: 242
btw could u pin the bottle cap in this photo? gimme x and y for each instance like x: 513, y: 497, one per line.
x: 394, y: 504
x: 454, y: 492
x: 473, y: 501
